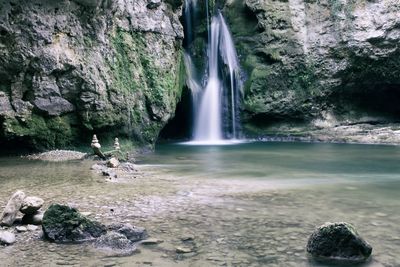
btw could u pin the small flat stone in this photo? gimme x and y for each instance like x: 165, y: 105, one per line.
x: 21, y: 229
x: 187, y: 238
x: 281, y: 249
x: 183, y: 250
x: 87, y: 213
x: 152, y: 241
x: 32, y: 227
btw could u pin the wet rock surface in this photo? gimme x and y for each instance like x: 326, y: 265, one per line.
x: 11, y: 210
x: 338, y: 242
x: 58, y: 156
x: 115, y: 243
x: 132, y: 233
x: 31, y: 205
x: 63, y: 224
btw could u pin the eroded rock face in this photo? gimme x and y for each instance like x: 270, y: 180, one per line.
x: 304, y: 58
x: 63, y: 224
x: 338, y: 242
x: 83, y: 65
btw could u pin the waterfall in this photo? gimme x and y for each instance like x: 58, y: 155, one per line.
x: 215, y: 101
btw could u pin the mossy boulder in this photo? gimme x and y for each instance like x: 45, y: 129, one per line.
x: 338, y: 242
x: 63, y: 224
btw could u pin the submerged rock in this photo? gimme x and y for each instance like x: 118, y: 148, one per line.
x: 7, y: 238
x: 31, y: 205
x: 116, y: 243
x: 183, y: 250
x: 9, y: 214
x: 338, y: 242
x: 133, y: 233
x: 152, y: 241
x: 35, y: 218
x: 63, y: 224
x: 58, y: 156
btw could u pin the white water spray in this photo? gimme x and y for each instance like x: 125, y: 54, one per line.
x: 208, y: 103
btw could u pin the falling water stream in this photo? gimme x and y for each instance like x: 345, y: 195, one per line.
x: 215, y: 118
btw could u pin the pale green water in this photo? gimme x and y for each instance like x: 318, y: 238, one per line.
x: 253, y: 204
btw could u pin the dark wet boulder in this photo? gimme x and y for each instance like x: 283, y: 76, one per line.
x: 338, y: 242
x: 133, y: 233
x: 115, y: 244
x: 63, y: 224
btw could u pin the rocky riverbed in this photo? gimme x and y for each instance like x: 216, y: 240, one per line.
x: 194, y: 220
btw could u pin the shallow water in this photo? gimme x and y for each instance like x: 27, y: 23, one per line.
x: 252, y: 204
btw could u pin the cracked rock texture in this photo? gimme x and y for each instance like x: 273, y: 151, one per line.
x: 305, y: 59
x: 72, y: 68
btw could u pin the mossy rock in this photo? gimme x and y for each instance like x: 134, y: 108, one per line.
x: 63, y: 224
x: 338, y: 242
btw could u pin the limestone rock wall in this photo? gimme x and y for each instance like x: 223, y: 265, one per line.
x: 305, y: 59
x: 72, y: 68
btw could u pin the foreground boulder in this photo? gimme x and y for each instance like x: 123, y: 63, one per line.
x: 31, y: 205
x: 10, y: 212
x: 63, y: 224
x: 338, y: 242
x: 7, y: 238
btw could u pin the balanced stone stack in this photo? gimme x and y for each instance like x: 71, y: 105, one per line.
x: 31, y: 210
x: 29, y: 206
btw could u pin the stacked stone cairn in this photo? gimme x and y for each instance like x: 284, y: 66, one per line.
x: 30, y: 208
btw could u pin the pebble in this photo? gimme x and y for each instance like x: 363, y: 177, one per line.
x: 187, y: 238
x: 21, y: 229
x: 152, y: 241
x: 182, y: 250
x: 281, y: 249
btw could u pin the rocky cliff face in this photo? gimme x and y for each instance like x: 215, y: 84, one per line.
x: 319, y: 62
x: 72, y: 68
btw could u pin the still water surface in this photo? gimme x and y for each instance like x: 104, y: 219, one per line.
x: 252, y: 204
